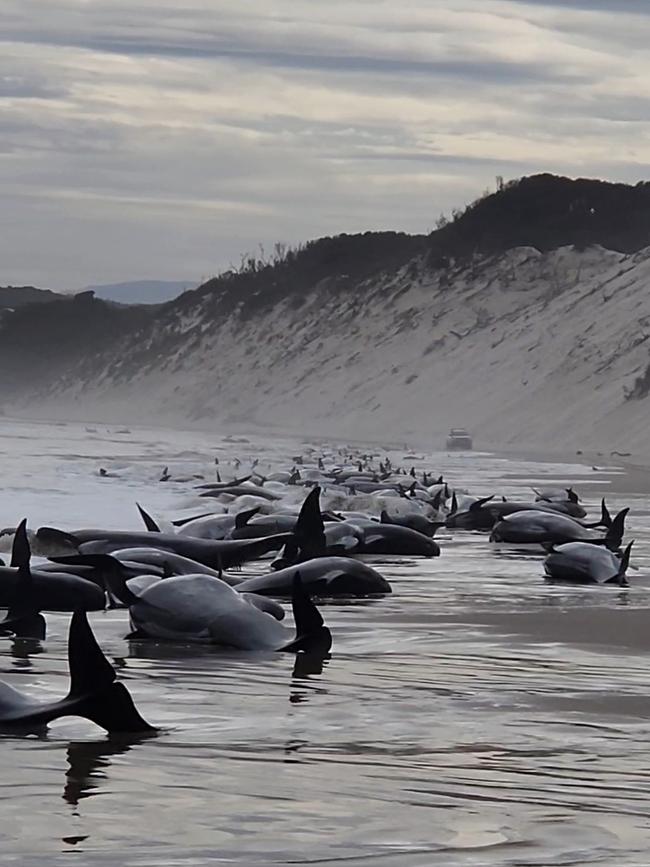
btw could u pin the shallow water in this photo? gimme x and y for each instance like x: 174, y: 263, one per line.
x: 475, y: 717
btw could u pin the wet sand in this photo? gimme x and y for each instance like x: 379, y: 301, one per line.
x: 477, y: 717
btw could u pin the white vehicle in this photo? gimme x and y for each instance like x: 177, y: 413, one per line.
x: 459, y: 440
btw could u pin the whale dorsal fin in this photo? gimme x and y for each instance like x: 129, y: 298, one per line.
x: 312, y: 636
x: 149, y: 522
x: 242, y: 518
x: 477, y: 505
x: 89, y: 668
x: 93, y: 693
x: 23, y: 618
x: 309, y: 531
x: 20, y: 550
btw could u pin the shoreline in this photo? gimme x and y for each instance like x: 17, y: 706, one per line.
x: 635, y: 468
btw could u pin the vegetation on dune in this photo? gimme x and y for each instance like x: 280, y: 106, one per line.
x: 546, y: 211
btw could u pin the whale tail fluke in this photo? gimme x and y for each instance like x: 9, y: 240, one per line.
x: 620, y: 578
x: 112, y: 575
x: 615, y: 533
x: 93, y: 693
x: 605, y: 518
x: 312, y: 636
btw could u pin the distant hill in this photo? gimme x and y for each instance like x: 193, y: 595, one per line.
x: 18, y: 296
x: 38, y: 339
x: 141, y: 291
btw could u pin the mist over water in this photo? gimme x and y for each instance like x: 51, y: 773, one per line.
x: 475, y: 717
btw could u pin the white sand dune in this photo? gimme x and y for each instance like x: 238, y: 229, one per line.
x: 526, y: 348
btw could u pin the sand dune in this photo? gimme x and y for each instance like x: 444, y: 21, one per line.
x: 526, y: 349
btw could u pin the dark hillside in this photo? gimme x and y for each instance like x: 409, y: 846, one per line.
x: 546, y: 212
x: 38, y: 340
x: 19, y: 296
x: 344, y: 261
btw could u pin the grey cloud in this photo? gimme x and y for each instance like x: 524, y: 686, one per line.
x: 496, y: 71
x: 637, y: 7
x: 20, y: 87
x: 181, y: 137
x: 439, y: 158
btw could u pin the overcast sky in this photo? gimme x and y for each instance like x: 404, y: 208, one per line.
x: 145, y: 138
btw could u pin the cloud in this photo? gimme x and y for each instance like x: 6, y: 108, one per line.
x: 183, y: 137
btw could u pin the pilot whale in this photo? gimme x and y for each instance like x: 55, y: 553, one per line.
x: 200, y: 608
x: 322, y: 576
x: 543, y: 527
x: 216, y: 554
x: 582, y: 563
x: 50, y: 589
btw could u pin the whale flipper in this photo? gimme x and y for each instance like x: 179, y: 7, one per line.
x: 312, y: 636
x: 614, y: 535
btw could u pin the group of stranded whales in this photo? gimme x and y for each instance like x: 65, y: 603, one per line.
x: 179, y: 579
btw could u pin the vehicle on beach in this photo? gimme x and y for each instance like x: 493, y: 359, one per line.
x: 459, y: 439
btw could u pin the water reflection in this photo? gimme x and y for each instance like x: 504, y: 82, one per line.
x: 88, y: 762
x: 305, y: 666
x: 23, y: 648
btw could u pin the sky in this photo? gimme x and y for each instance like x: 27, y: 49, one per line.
x: 143, y: 139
